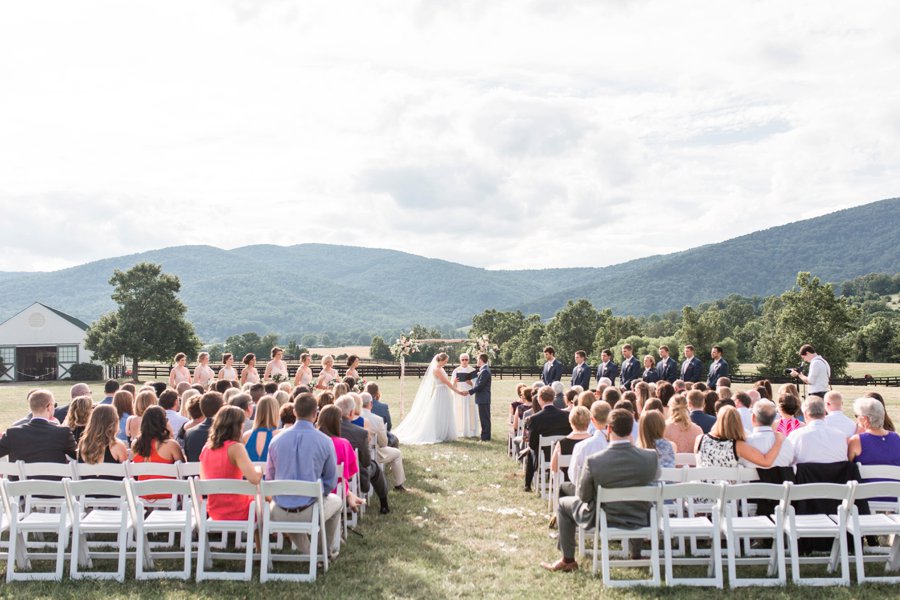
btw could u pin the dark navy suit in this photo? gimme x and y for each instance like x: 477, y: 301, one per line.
x: 717, y: 369
x: 667, y: 369
x: 581, y: 375
x: 609, y: 370
x: 691, y: 370
x: 702, y: 419
x: 631, y: 370
x: 553, y: 370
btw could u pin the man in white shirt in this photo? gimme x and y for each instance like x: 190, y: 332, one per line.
x: 742, y: 402
x: 834, y: 404
x: 171, y: 403
x: 817, y: 442
x: 599, y: 414
x: 762, y: 437
x: 819, y: 372
x: 385, y: 455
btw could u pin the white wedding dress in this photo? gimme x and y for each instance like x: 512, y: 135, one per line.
x: 432, y: 418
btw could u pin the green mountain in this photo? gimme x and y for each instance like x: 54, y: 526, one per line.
x: 316, y: 287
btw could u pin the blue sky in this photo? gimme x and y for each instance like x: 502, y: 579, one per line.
x: 504, y: 134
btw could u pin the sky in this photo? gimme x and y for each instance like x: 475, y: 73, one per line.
x: 504, y: 134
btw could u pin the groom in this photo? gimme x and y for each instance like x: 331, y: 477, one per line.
x: 482, y: 392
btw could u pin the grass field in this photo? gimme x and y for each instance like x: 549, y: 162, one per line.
x: 464, y: 530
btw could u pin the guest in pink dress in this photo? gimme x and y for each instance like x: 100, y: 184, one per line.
x: 329, y: 423
x: 224, y: 457
x: 787, y: 407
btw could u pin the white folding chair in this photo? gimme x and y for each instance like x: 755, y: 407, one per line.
x: 201, y: 489
x: 186, y: 470
x: 691, y: 525
x: 885, y: 472
x: 161, y: 519
x: 603, y: 533
x: 685, y: 459
x: 314, y: 528
x: 818, y: 526
x: 543, y: 465
x: 697, y: 506
x: 23, y: 523
x: 875, y: 524
x: 97, y: 521
x: 46, y: 471
x: 557, y: 479
x: 734, y: 526
x: 100, y: 471
x: 136, y: 471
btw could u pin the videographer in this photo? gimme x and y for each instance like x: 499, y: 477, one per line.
x: 819, y: 372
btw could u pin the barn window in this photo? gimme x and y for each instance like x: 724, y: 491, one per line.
x: 67, y: 354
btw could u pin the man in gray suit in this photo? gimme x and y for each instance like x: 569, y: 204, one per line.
x: 620, y: 465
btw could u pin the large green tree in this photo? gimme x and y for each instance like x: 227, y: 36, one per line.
x: 149, y: 323
x: 573, y: 328
x: 379, y: 350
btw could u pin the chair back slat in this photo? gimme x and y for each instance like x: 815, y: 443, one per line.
x: 645, y: 493
x: 46, y: 469
x: 762, y: 491
x: 290, y: 488
x: 240, y: 487
x: 701, y: 489
x: 818, y: 491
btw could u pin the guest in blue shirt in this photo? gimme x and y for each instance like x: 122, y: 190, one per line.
x: 109, y: 390
x: 303, y: 453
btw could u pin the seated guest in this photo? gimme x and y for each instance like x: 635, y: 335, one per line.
x: 888, y: 424
x: 764, y: 387
x: 287, y: 417
x: 145, y: 399
x: 370, y: 473
x: 709, y: 403
x: 579, y: 419
x: 788, y: 404
x: 874, y: 445
x: 109, y: 389
x: 642, y: 393
x: 171, y: 403
x: 651, y: 435
x: 385, y: 455
x: 194, y: 416
x: 155, y: 443
x: 378, y: 407
x: 123, y: 402
x: 572, y: 397
x: 680, y: 429
x: 265, y: 424
x: 655, y: 404
x: 726, y: 443
x: 38, y: 440
x: 598, y: 441
x: 520, y: 400
x: 725, y: 402
x: 620, y: 465
x: 559, y: 400
x: 329, y: 423
x: 743, y: 403
x: 549, y: 421
x: 325, y: 398
x: 834, y: 405
x: 723, y: 382
x: 816, y: 442
x: 245, y: 402
x: 224, y: 457
x: 697, y: 404
x: 99, y: 443
x: 78, y: 415
x: 762, y: 436
x: 196, y: 437
x: 304, y: 454
x: 61, y: 412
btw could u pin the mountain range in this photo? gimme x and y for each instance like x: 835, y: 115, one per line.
x: 314, y: 288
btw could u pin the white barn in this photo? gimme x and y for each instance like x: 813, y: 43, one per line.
x: 41, y: 343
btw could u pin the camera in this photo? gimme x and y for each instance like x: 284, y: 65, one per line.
x: 787, y: 372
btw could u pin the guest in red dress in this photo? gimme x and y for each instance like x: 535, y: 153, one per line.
x: 225, y: 457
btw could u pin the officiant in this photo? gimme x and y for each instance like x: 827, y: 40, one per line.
x: 466, y: 413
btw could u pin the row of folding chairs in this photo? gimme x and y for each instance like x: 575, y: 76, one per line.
x: 132, y: 511
x: 674, y: 515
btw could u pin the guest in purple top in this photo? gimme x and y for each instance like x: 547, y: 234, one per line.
x: 875, y: 445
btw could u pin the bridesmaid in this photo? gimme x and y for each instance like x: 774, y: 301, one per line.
x: 328, y: 373
x: 179, y: 372
x: 304, y: 374
x: 352, y: 363
x: 276, y: 366
x: 228, y: 372
x: 249, y: 374
x: 203, y: 373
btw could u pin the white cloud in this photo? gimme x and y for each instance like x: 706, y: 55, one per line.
x: 580, y: 133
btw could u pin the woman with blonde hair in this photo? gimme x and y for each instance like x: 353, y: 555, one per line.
x: 651, y: 435
x: 145, y: 399
x: 265, y: 422
x: 304, y: 374
x: 99, y: 443
x: 680, y: 430
x: 327, y: 374
x: 78, y: 415
x: 579, y: 419
x: 340, y: 389
x: 725, y: 443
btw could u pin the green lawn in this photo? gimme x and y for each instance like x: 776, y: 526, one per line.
x: 854, y: 369
x: 464, y: 530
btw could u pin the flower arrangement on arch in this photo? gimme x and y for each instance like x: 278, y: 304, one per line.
x: 482, y: 344
x: 404, y: 347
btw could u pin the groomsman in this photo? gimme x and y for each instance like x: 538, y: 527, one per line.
x: 666, y: 368
x: 631, y: 368
x: 691, y: 368
x: 718, y: 368
x: 581, y: 374
x: 607, y: 368
x: 553, y: 369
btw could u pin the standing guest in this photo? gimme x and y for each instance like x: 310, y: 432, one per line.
x: 743, y: 403
x: 327, y: 375
x: 579, y: 419
x: 304, y: 374
x: 651, y: 435
x: 123, y: 402
x: 109, y: 389
x: 691, y: 368
x: 581, y: 374
x: 888, y: 424
x: 171, y: 403
x: 631, y: 369
x: 180, y: 371
x: 697, y: 403
x: 38, y: 440
x: 203, y: 373
x: 549, y: 421
x: 726, y: 443
x: 874, y: 445
x: 145, y: 399
x: 99, y: 443
x: 816, y: 442
x: 249, y: 374
x: 302, y: 453
x: 265, y: 424
x: 680, y: 428
x: 227, y: 372
x: 78, y: 415
x: 553, y: 369
x: 224, y: 457
x: 155, y: 443
x: 788, y: 404
x: 196, y: 437
x: 834, y: 404
x: 352, y: 365
x: 276, y: 367
x: 667, y: 368
x: 329, y: 423
x: 650, y: 374
x: 718, y: 368
x: 762, y: 436
x: 607, y: 368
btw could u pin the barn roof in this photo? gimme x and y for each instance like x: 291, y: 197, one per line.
x: 76, y: 322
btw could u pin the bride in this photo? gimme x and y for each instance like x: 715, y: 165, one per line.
x: 432, y: 418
